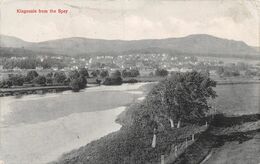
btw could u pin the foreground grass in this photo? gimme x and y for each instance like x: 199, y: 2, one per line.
x: 125, y: 146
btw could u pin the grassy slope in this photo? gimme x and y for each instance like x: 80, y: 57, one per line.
x: 126, y: 147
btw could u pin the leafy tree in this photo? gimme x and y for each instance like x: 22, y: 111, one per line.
x: 40, y: 80
x: 95, y: 73
x: 130, y: 73
x: 16, y: 80
x: 73, y: 74
x: 113, y: 81
x: 31, y: 75
x: 5, y: 84
x: 59, y: 77
x: 104, y: 73
x: 83, y: 72
x: 182, y: 97
x: 82, y: 82
x: 116, y: 74
x: 75, y: 85
x: 78, y: 83
x: 161, y: 72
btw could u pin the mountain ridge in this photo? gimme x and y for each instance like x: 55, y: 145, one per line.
x: 197, y: 44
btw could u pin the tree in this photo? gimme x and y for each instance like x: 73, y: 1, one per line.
x: 116, y: 74
x: 182, y: 97
x: 130, y: 73
x: 104, y: 73
x: 113, y: 81
x: 84, y: 72
x: 40, y: 80
x: 31, y: 75
x: 161, y: 72
x: 16, y: 80
x: 59, y: 77
x: 82, y: 82
x: 73, y: 74
x: 75, y: 86
x: 5, y: 84
x: 78, y: 83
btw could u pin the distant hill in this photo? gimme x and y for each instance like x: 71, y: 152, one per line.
x: 200, y: 44
x: 8, y: 41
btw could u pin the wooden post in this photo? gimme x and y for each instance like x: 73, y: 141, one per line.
x: 175, y: 151
x: 179, y: 124
x: 162, y: 159
x: 186, y: 143
x: 172, y: 124
x: 154, y: 141
x: 192, y: 137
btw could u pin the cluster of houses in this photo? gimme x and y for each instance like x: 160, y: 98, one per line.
x: 145, y: 63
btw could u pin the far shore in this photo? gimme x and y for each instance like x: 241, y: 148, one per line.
x: 17, y: 91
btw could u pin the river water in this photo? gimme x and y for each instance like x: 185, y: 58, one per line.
x: 38, y: 129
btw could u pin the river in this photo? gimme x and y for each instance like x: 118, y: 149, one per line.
x: 38, y: 129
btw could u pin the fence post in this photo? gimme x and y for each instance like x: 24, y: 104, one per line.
x: 175, y: 151
x: 179, y: 124
x: 162, y: 159
x: 154, y: 141
x: 186, y: 143
x: 172, y: 124
x: 192, y: 137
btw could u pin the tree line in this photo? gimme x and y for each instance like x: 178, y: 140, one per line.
x: 76, y: 79
x: 31, y: 63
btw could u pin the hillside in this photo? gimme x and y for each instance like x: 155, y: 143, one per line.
x: 200, y: 44
x: 8, y: 41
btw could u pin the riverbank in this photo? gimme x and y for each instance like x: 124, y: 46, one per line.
x: 124, y: 146
x: 92, y: 83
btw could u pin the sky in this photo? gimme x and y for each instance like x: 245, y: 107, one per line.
x: 132, y: 19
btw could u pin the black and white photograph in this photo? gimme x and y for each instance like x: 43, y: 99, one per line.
x: 129, y: 81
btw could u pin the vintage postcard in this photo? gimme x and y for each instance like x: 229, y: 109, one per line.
x: 129, y: 81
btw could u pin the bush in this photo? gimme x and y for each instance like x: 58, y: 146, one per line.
x: 16, y: 80
x: 84, y: 72
x: 113, y: 81
x: 131, y: 81
x: 31, y: 75
x: 130, y: 73
x: 40, y: 80
x: 161, y: 72
x: 59, y: 77
x: 75, y: 85
x: 78, y: 83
